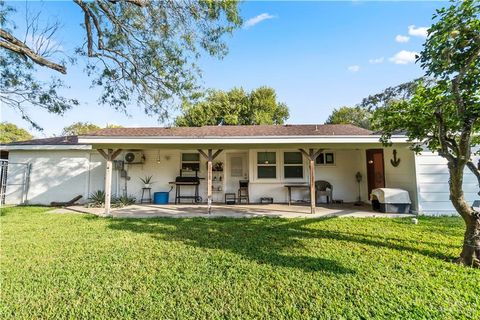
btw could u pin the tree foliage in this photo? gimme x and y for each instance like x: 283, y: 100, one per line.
x: 137, y: 51
x: 234, y: 107
x: 79, y: 128
x: 358, y: 116
x: 444, y: 115
x: 9, y: 132
x: 19, y: 87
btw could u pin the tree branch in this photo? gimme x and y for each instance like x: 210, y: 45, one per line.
x: 13, y: 44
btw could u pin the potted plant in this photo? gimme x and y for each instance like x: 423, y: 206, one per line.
x: 218, y: 166
x: 147, y: 181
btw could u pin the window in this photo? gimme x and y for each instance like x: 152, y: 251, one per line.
x: 292, y: 165
x: 236, y: 166
x: 191, y: 161
x: 325, y: 158
x: 266, y: 165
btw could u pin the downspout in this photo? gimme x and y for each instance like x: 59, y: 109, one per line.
x: 27, y: 181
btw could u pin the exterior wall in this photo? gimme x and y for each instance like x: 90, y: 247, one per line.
x: 402, y: 176
x: 162, y: 172
x: 54, y: 176
x: 432, y: 184
x: 341, y: 175
x: 58, y: 175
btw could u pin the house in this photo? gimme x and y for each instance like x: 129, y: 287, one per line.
x: 270, y: 157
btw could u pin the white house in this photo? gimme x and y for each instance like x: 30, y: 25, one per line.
x: 269, y: 157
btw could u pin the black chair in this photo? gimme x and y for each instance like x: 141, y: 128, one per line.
x: 243, y: 191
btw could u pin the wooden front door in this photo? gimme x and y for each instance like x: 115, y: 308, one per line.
x: 375, y: 169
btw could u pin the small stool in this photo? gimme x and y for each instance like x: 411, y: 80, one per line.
x: 266, y: 200
x: 230, y: 198
x: 146, y: 195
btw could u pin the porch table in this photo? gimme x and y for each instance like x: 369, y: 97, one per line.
x: 295, y: 185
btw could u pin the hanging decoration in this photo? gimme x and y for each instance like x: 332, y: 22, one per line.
x: 395, y: 161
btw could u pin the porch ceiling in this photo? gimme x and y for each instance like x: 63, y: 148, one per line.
x: 239, y: 143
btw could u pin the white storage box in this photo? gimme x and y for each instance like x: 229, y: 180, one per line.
x: 390, y: 200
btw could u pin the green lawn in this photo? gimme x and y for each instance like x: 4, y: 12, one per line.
x: 78, y: 266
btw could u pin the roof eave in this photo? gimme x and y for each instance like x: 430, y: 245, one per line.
x: 46, y: 147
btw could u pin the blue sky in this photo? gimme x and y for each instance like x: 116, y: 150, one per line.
x: 316, y: 55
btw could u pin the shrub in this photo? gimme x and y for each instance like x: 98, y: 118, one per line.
x: 124, y: 200
x: 97, y: 198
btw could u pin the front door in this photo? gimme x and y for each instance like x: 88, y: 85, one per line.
x: 375, y: 169
x: 237, y: 169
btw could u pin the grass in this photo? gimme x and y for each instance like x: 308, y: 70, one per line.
x: 79, y: 266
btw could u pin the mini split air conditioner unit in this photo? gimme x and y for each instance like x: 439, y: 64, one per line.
x: 132, y: 157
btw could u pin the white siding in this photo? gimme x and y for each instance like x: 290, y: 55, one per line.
x: 432, y: 186
x: 54, y: 176
x: 402, y: 176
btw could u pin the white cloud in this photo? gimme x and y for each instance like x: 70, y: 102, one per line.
x: 404, y: 57
x: 256, y: 20
x: 418, y: 31
x: 402, y: 39
x: 376, y: 61
x: 354, y: 68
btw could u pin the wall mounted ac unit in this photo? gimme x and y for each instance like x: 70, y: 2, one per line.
x: 133, y: 157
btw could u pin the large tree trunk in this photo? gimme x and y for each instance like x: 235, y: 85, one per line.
x: 470, y: 254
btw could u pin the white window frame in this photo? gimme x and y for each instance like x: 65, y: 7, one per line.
x: 324, y: 159
x: 302, y: 164
x: 276, y: 164
x: 193, y: 162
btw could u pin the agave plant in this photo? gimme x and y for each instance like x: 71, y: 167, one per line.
x: 147, y: 180
x: 125, y: 200
x: 97, y: 198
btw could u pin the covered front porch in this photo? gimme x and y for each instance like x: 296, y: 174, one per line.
x: 278, y: 170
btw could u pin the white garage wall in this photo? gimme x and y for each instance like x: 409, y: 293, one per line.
x: 432, y: 187
x: 54, y: 176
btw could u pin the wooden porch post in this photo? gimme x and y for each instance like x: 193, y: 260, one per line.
x: 109, y: 156
x: 210, y: 156
x: 311, y: 156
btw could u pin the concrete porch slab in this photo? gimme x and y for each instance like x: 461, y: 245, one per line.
x: 236, y: 211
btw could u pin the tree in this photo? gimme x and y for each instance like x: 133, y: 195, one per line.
x: 113, y: 125
x: 137, y: 50
x: 11, y: 133
x: 79, y: 128
x: 357, y: 116
x: 234, y: 107
x: 444, y: 116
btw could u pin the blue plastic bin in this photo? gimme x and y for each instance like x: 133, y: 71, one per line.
x: 160, y: 197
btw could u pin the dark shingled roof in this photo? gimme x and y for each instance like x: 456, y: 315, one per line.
x: 66, y: 140
x: 236, y: 131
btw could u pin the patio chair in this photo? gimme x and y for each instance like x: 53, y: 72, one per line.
x: 243, y: 191
x: 323, y: 189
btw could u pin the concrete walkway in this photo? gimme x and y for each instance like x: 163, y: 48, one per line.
x: 235, y: 211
